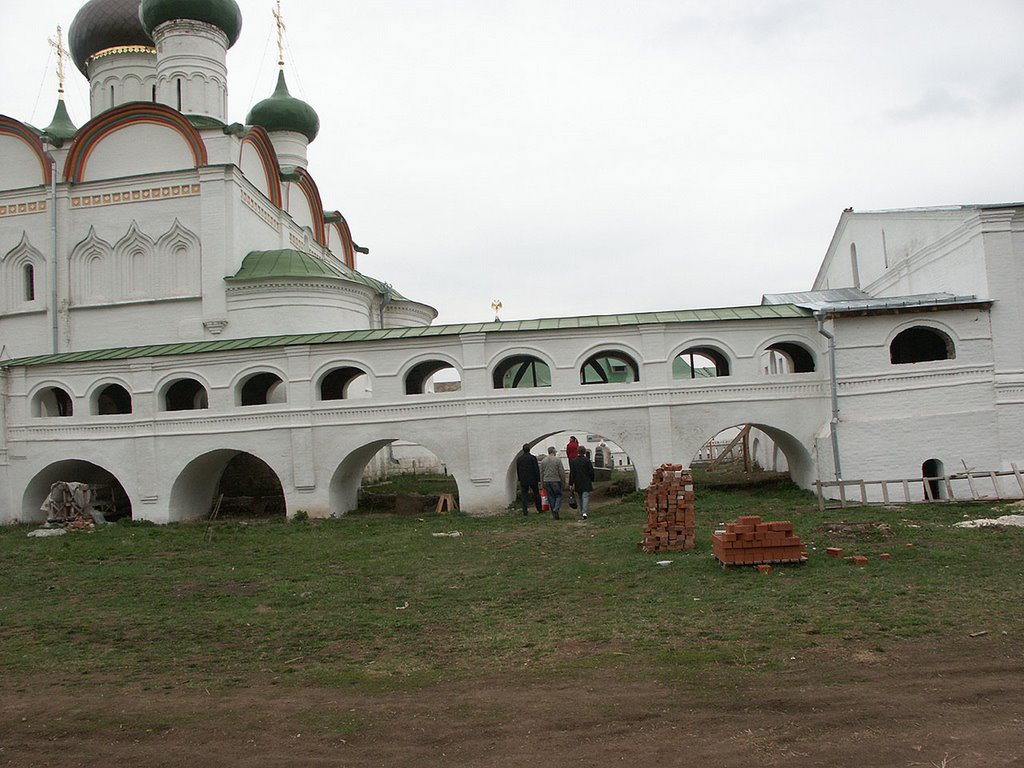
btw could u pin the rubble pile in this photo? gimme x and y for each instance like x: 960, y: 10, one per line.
x: 669, y: 502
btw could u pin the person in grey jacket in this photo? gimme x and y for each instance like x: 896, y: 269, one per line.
x: 553, y: 477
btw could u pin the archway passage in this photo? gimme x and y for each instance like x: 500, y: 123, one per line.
x: 747, y: 454
x: 109, y: 496
x: 614, y: 474
x: 249, y: 489
x: 391, y: 475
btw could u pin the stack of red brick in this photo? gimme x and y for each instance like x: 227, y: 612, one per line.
x: 749, y: 541
x: 671, y: 524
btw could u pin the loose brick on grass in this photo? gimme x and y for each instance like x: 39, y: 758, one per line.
x: 751, y: 541
x: 671, y: 518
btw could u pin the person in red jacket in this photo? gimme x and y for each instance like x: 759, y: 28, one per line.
x: 572, y: 450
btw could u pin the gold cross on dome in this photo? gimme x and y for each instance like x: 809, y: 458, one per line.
x: 280, y: 34
x: 62, y: 52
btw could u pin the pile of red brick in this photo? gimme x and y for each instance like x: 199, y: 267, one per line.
x: 748, y: 541
x: 671, y: 524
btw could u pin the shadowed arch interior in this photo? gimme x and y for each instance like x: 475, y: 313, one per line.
x: 921, y: 344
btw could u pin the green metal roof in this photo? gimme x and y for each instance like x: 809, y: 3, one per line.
x: 283, y: 112
x: 760, y: 312
x: 288, y: 262
x: 284, y: 262
x: 61, y: 128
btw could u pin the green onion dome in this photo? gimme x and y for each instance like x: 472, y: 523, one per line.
x: 101, y: 25
x: 61, y: 128
x: 223, y: 14
x: 283, y: 112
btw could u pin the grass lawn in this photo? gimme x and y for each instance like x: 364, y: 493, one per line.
x: 373, y: 603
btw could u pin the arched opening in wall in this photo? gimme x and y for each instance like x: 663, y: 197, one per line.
x: 921, y: 344
x: 345, y: 383
x: 52, y: 401
x: 249, y: 489
x: 186, y: 395
x: 432, y: 376
x: 112, y: 400
x: 700, y: 363
x: 521, y: 372
x: 229, y: 484
x: 750, y: 454
x: 609, y: 367
x: 103, y: 492
x: 614, y: 472
x: 932, y: 475
x: 262, y: 389
x: 786, y: 357
x: 391, y: 476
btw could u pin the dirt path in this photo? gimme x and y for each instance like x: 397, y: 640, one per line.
x: 921, y: 706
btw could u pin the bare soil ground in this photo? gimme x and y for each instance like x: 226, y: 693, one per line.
x: 955, y: 703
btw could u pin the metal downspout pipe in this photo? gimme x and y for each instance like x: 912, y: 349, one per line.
x: 54, y: 324
x: 820, y: 315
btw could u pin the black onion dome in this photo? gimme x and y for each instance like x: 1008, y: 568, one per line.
x: 223, y: 14
x: 103, y: 24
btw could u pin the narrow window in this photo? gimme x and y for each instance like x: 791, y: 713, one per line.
x: 112, y: 104
x: 179, y: 94
x: 154, y: 95
x: 853, y: 265
x: 30, y: 282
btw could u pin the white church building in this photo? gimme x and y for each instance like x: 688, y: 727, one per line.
x: 177, y: 295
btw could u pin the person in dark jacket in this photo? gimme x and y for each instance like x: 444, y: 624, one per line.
x: 528, y: 472
x: 581, y: 479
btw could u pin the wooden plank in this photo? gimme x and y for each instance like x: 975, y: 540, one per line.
x: 995, y: 486
x: 1020, y: 478
x: 906, y: 491
x: 885, y: 492
x: 970, y: 482
x: 863, y: 493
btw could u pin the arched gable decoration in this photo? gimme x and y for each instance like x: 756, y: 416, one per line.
x: 316, y: 208
x: 11, y: 127
x: 115, y: 119
x: 259, y: 140
x: 337, y: 221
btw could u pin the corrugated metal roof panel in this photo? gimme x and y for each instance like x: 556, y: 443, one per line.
x: 371, y: 334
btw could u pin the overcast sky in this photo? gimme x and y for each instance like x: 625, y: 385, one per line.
x: 597, y: 156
